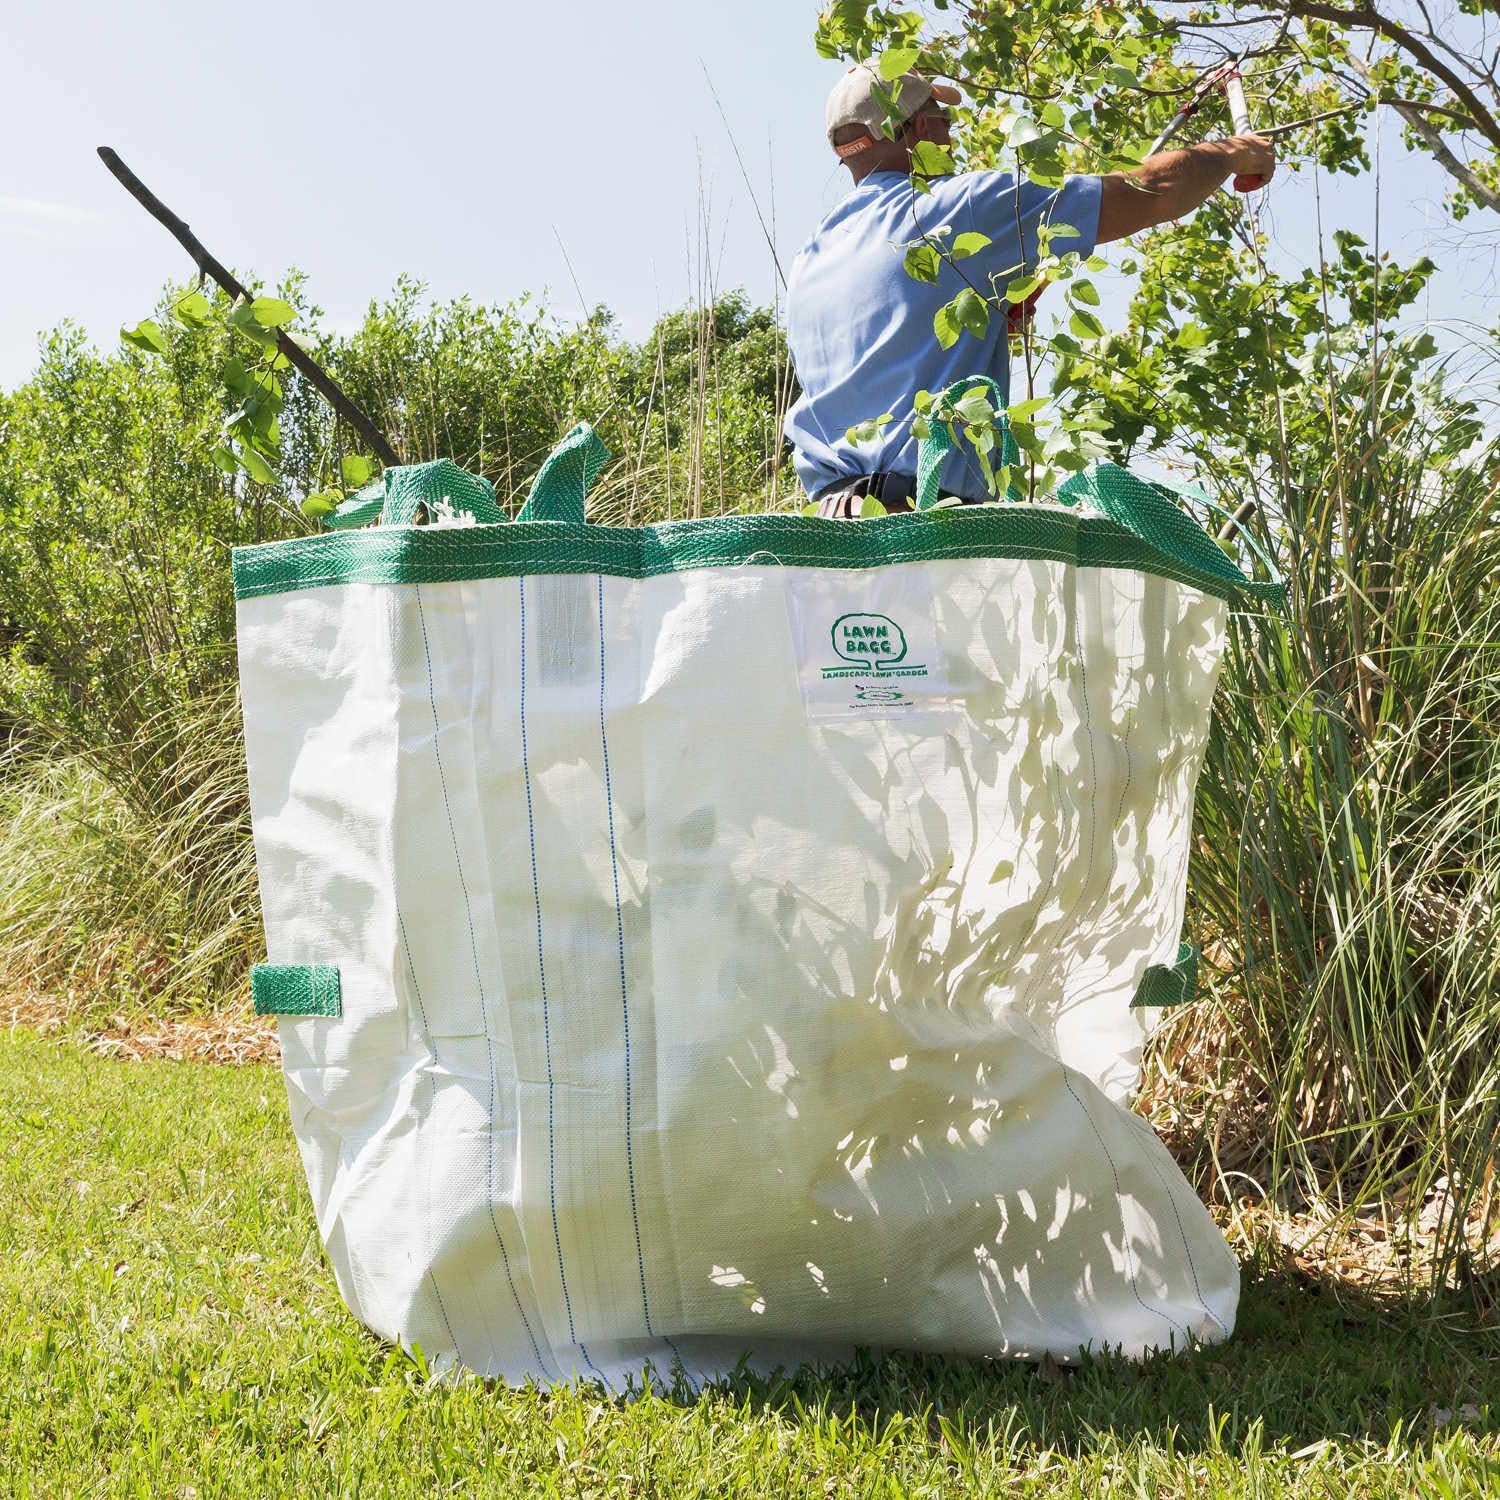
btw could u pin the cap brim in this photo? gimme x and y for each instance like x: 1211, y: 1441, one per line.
x: 945, y: 93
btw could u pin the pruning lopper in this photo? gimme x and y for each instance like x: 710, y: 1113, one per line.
x: 1225, y: 77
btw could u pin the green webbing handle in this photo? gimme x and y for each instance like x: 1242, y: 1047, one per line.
x: 1145, y: 510
x: 414, y: 492
x: 934, y: 449
x: 362, y: 508
x: 1242, y: 533
x: 561, y: 486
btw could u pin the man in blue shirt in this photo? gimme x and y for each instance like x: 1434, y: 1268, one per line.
x: 861, y: 328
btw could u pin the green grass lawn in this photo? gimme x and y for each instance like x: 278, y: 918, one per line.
x: 168, y: 1327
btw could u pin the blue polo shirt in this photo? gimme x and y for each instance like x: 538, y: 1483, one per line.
x: 860, y: 328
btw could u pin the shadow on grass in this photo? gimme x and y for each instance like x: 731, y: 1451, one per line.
x: 1309, y: 1361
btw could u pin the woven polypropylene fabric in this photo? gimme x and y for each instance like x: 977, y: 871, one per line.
x: 362, y: 508
x: 445, y: 554
x: 560, y: 489
x: 296, y: 990
x: 1165, y: 985
x: 1148, y: 513
x: 411, y: 489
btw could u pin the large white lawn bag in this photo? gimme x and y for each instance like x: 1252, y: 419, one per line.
x: 716, y: 941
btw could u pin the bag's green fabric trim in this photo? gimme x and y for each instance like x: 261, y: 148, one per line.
x: 1162, y: 985
x: 560, y: 489
x: 933, y: 450
x: 359, y: 509
x: 418, y: 554
x: 296, y: 990
x: 415, y: 492
x: 1146, y: 510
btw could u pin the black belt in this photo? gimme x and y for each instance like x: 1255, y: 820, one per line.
x: 895, y: 491
x: 885, y: 485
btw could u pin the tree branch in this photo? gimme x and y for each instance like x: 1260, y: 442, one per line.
x: 1365, y: 19
x: 1442, y: 152
x: 288, y: 346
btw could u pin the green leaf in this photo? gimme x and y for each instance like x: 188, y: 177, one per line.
x: 867, y: 432
x: 223, y: 458
x: 1021, y: 288
x: 1086, y: 291
x: 928, y: 159
x: 811, y: 508
x: 1192, y: 336
x: 972, y: 312
x: 945, y: 325
x: 264, y: 337
x: 1085, y: 325
x: 922, y: 263
x: 356, y: 469
x: 1047, y: 171
x: 1023, y: 411
x: 870, y: 507
x: 1122, y: 78
x: 1024, y: 131
x: 897, y: 61
x: 921, y: 429
x: 192, y: 310
x: 321, y: 503
x: 235, y: 376
x: 256, y: 466
x: 1002, y: 871
x: 146, y: 335
x: 241, y: 315
x: 922, y: 401
x: 969, y: 243
x: 272, y: 312
x: 974, y: 407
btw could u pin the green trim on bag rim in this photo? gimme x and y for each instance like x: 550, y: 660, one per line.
x: 296, y: 990
x: 1175, y: 984
x: 417, y: 554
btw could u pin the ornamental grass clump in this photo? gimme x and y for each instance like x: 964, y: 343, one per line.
x: 1347, y: 870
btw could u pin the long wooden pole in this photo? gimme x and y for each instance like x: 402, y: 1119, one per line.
x: 209, y: 266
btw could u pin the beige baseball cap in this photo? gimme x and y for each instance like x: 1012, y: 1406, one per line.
x: 860, y: 97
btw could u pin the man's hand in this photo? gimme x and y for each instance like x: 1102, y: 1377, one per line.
x: 1253, y: 160
x: 1173, y: 183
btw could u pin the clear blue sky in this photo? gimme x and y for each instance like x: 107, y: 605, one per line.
x: 457, y: 142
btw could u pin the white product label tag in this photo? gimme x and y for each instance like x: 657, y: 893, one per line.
x: 866, y: 643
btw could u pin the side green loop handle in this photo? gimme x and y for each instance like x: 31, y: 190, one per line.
x: 1144, y: 510
x: 1243, y: 533
x: 932, y: 451
x: 560, y: 489
x: 436, y: 490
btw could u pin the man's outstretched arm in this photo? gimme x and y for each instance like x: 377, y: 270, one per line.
x: 1173, y: 183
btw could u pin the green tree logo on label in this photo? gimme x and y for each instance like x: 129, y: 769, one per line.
x: 873, y: 641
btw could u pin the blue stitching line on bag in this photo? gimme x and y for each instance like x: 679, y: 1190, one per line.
x: 541, y: 963
x: 411, y: 969
x: 1088, y: 713
x: 489, y: 1155
x: 1124, y: 1233
x: 1166, y: 740
x: 1187, y: 1249
x: 614, y: 860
